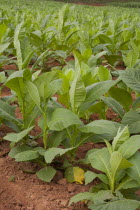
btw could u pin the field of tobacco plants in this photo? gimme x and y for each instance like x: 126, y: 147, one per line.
x: 69, y: 106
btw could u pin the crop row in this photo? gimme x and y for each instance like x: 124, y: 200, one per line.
x: 70, y: 65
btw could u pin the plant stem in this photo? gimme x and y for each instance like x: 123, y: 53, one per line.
x: 112, y: 187
x: 45, y: 131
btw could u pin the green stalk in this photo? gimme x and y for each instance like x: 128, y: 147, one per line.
x: 45, y: 125
x: 112, y: 185
x: 45, y: 131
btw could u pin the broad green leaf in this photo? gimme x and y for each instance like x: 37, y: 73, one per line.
x: 117, y: 205
x: 122, y: 136
x: 17, y: 46
x: 134, y: 171
x: 101, y: 161
x: 99, y: 108
x: 122, y: 96
x: 132, y: 119
x: 26, y: 51
x: 46, y: 174
x: 131, y: 193
x: 2, y: 77
x: 131, y: 79
x: 74, y: 174
x: 40, y: 150
x: 26, y: 156
x: 7, y: 112
x: 15, y: 83
x: 48, y: 90
x: 45, y: 78
x: 16, y: 137
x: 103, y: 178
x: 102, y: 196
x: 104, y: 74
x: 131, y: 146
x: 97, y: 90
x: 131, y: 58
x: 3, y: 29
x: 77, y: 93
x: 127, y: 182
x: 89, y: 177
x: 33, y: 92
x: 51, y: 153
x: 4, y: 47
x: 55, y: 139
x: 63, y: 118
x: 81, y: 197
x: 18, y: 149
x: 92, y: 62
x: 136, y: 104
x: 117, y: 162
x: 115, y: 105
x: 101, y: 127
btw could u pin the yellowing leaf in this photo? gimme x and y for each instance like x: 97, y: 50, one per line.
x: 75, y: 174
x: 78, y: 175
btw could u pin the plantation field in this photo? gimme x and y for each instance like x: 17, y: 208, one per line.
x: 69, y: 106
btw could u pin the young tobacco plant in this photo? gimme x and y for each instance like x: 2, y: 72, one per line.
x: 35, y: 99
x: 82, y: 90
x: 119, y: 163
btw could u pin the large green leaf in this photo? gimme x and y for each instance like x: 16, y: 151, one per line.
x: 101, y: 161
x: 122, y: 96
x: 115, y: 105
x: 81, y: 197
x: 104, y: 74
x: 45, y: 78
x: 117, y: 205
x: 101, y: 127
x: 127, y: 182
x: 97, y: 90
x: 33, y: 92
x: 131, y: 58
x: 4, y: 47
x: 49, y: 89
x: 90, y: 176
x: 26, y: 156
x: 15, y: 83
x: 51, y: 153
x: 132, y: 119
x: 17, y: 46
x: 63, y: 118
x: 77, y: 93
x: 117, y: 162
x: 131, y: 146
x: 134, y: 171
x: 46, y: 174
x: 55, y: 139
x: 122, y: 136
x: 18, y: 149
x: 16, y: 137
x: 7, y: 113
x: 136, y: 103
x: 131, y: 79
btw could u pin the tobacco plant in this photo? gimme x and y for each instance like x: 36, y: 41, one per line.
x: 119, y: 163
